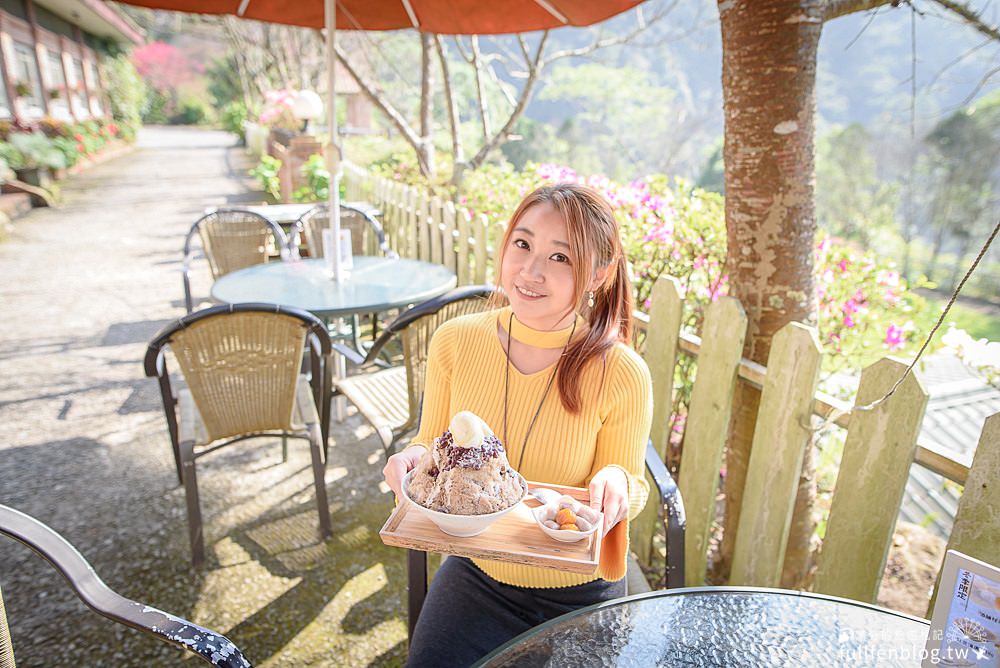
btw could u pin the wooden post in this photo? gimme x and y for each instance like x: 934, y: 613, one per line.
x: 782, y: 434
x: 661, y: 357
x: 722, y: 338
x: 480, y: 227
x: 873, y: 471
x: 448, y: 236
x: 462, y: 253
x: 412, y: 222
x: 976, y: 531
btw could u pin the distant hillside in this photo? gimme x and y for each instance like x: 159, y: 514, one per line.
x: 864, y: 63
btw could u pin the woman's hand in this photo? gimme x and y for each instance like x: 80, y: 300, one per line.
x: 609, y: 494
x: 399, y: 465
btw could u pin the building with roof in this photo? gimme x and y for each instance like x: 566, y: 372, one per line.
x: 50, y: 53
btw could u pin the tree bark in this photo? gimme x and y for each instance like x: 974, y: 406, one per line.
x: 768, y: 78
x: 426, y: 104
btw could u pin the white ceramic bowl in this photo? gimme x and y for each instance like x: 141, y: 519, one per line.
x: 461, y: 525
x: 564, y: 535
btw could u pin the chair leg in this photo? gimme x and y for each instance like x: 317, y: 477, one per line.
x: 323, y: 506
x: 193, y: 503
x: 416, y: 571
x: 284, y: 448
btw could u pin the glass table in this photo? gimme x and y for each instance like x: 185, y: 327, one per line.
x: 375, y: 284
x: 721, y: 626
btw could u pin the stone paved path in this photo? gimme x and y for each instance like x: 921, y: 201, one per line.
x: 84, y: 446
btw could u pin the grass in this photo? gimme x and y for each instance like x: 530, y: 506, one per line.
x: 980, y: 323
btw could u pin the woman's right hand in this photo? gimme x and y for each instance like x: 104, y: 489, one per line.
x: 399, y: 465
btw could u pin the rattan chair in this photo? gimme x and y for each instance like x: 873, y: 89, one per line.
x: 367, y: 236
x: 241, y: 364
x: 390, y: 398
x: 211, y: 647
x: 232, y: 239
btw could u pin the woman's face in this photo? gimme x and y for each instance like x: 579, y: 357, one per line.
x: 537, y: 272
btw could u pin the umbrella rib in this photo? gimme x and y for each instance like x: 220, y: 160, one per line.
x: 547, y: 6
x: 409, y: 11
x: 243, y: 7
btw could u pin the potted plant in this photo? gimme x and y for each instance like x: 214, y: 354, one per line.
x: 54, y: 93
x: 32, y: 156
x: 22, y: 89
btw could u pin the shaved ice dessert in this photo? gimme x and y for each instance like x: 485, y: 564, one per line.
x: 466, y: 471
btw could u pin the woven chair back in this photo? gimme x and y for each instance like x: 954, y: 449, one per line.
x: 242, y: 369
x: 234, y: 240
x: 6, y: 648
x: 417, y: 340
x: 363, y: 238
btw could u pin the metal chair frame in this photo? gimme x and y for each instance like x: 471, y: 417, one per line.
x: 184, y: 455
x: 280, y: 240
x: 211, y: 647
x: 392, y: 330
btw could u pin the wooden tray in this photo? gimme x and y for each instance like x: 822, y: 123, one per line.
x: 513, y: 538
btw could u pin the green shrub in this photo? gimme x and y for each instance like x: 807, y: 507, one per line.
x: 31, y: 150
x: 155, y: 109
x: 233, y: 116
x: 190, y: 112
x: 266, y: 173
x: 126, y: 90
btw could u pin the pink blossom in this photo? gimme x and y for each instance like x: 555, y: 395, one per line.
x: 849, y: 322
x: 895, y: 337
x: 843, y: 264
x: 888, y: 278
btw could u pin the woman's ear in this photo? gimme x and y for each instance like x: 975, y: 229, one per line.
x: 599, y: 275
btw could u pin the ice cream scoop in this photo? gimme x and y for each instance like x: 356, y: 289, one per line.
x: 468, y: 430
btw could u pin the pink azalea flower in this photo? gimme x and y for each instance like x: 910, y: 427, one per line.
x: 895, y: 337
x: 849, y: 322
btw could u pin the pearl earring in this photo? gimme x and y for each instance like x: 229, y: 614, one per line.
x: 590, y: 299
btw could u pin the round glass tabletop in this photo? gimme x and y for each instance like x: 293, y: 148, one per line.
x: 375, y: 284
x: 721, y: 626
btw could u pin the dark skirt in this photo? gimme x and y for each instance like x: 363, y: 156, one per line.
x: 468, y: 614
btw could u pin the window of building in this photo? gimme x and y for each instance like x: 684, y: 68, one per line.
x: 79, y: 92
x: 28, y: 84
x: 6, y: 111
x: 95, y: 90
x: 58, y: 100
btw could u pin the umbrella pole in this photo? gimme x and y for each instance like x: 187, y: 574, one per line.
x: 333, y: 144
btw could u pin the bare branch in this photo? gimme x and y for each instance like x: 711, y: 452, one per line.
x: 456, y: 140
x: 379, y: 99
x: 535, y: 68
x: 642, y: 24
x: 970, y: 17
x: 836, y: 8
x: 484, y: 112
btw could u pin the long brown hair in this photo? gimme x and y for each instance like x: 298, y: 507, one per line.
x: 594, y: 244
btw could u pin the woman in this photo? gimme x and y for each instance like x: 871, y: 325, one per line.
x: 554, y: 376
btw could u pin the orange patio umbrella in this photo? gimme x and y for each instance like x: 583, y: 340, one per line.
x: 450, y: 17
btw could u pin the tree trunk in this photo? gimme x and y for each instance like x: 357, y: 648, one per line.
x: 768, y: 80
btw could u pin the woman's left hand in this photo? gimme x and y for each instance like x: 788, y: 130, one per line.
x: 609, y: 495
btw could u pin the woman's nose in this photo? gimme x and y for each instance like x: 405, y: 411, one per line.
x: 533, y: 268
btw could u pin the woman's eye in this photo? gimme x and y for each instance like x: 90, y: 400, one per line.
x: 559, y: 257
x: 520, y: 243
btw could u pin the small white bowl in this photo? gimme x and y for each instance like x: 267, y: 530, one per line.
x: 463, y: 526
x: 564, y: 535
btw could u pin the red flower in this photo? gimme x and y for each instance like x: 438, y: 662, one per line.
x: 78, y: 137
x: 80, y: 148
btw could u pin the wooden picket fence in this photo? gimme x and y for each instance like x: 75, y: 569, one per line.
x: 880, y: 447
x: 428, y: 228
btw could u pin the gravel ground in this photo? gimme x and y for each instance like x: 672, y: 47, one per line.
x: 85, y: 447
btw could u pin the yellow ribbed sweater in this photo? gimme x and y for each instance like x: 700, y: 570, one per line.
x: 465, y: 372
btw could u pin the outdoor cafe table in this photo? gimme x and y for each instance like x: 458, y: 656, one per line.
x: 375, y: 284
x: 721, y: 626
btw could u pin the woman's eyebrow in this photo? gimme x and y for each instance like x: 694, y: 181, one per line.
x: 525, y: 230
